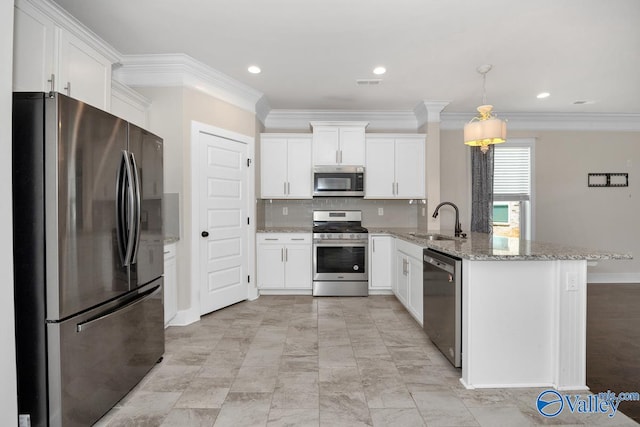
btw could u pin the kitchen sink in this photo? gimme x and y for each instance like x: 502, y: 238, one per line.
x: 431, y: 236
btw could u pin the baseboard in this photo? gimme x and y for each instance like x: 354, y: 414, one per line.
x: 613, y: 278
x: 380, y: 291
x: 285, y: 291
x: 185, y: 317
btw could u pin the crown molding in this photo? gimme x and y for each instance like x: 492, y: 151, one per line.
x: 378, y: 120
x: 164, y: 70
x: 623, y: 122
x: 68, y: 22
x: 125, y: 92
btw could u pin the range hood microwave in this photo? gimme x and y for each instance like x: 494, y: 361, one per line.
x: 338, y: 181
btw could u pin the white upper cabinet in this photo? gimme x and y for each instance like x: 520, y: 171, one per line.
x: 338, y: 143
x: 285, y: 166
x: 33, y: 50
x: 395, y: 166
x: 84, y: 73
x: 48, y: 57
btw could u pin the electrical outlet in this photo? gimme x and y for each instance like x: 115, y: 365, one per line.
x: 572, y: 281
x: 285, y: 211
x: 380, y: 211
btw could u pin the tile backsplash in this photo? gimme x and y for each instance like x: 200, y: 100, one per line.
x: 299, y: 213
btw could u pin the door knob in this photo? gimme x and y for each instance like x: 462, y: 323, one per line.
x: 205, y: 234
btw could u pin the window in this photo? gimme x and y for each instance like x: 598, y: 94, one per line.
x: 512, y: 188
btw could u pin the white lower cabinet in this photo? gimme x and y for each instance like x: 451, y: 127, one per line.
x: 170, y: 283
x: 284, y: 261
x: 381, y: 262
x: 408, y: 286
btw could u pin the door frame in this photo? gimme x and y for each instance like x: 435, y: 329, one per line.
x: 193, y: 231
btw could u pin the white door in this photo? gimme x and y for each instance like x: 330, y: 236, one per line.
x: 273, y: 173
x: 299, y: 176
x: 298, y: 266
x: 223, y: 222
x: 379, y: 168
x: 352, y: 146
x: 270, y: 266
x: 409, y: 155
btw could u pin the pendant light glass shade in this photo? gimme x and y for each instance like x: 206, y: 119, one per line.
x: 485, y: 129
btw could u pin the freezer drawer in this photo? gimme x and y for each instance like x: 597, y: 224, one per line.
x: 97, y: 357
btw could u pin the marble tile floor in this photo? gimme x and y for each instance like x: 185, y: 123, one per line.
x: 304, y: 361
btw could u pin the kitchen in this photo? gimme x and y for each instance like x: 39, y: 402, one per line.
x: 556, y: 196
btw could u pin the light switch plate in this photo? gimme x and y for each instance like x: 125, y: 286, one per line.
x: 285, y: 211
x: 380, y: 211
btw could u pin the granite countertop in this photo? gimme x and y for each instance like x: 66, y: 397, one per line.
x: 486, y: 247
x: 170, y: 239
x: 284, y: 230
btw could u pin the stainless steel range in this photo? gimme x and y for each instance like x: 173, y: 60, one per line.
x: 340, y: 246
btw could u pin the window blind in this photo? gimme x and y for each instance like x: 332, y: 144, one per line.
x: 512, y: 172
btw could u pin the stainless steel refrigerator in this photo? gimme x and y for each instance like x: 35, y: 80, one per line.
x: 88, y: 258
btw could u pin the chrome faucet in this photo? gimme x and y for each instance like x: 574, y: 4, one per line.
x: 458, y: 227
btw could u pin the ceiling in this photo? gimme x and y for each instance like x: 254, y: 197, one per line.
x: 312, y: 51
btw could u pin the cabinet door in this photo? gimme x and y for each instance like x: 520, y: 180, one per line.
x: 170, y: 284
x: 33, y: 49
x: 381, y: 262
x: 299, y: 176
x: 270, y: 266
x: 84, y: 73
x: 402, y: 278
x: 415, y: 288
x: 273, y: 167
x: 351, y: 146
x: 409, y: 166
x: 298, y: 266
x: 379, y: 168
x: 325, y: 145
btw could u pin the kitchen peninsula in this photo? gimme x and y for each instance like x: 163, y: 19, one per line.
x: 523, y: 308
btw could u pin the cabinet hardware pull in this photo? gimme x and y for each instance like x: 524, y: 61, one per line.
x: 393, y: 188
x: 285, y: 187
x: 272, y: 238
x: 282, y: 254
x: 68, y: 88
x: 52, y: 80
x: 286, y: 254
x: 337, y: 158
x: 295, y: 238
x: 288, y: 188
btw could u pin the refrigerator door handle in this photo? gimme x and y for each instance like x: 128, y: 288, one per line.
x: 121, y: 220
x: 130, y: 227
x: 81, y: 327
x: 137, y: 206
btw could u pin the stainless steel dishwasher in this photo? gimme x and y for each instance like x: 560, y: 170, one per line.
x: 442, y: 303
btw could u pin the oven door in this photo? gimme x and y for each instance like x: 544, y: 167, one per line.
x: 340, y: 260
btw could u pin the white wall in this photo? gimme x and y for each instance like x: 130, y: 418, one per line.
x: 8, y: 394
x: 566, y: 210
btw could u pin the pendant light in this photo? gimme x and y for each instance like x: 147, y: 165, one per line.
x: 485, y: 129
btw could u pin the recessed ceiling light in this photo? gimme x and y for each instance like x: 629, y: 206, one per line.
x: 254, y: 69
x: 543, y: 95
x: 379, y: 70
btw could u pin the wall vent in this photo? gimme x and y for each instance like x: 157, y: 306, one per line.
x: 368, y: 82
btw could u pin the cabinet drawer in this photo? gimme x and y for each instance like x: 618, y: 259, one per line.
x: 284, y: 238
